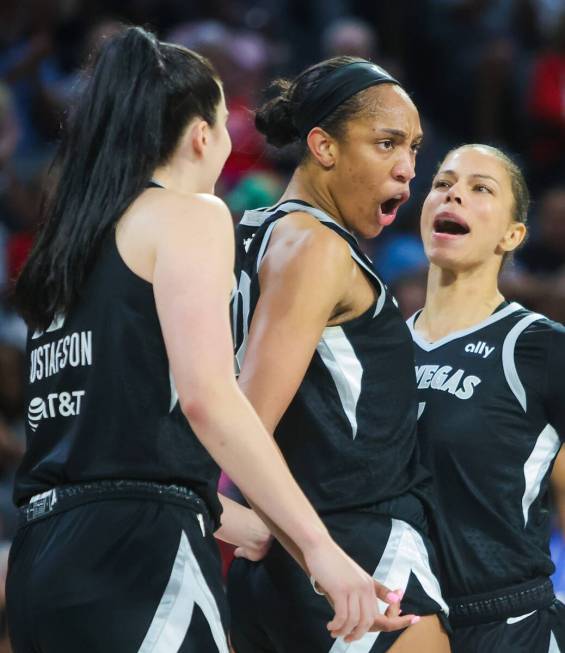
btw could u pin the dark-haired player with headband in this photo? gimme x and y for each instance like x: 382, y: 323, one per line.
x: 132, y: 397
x: 492, y: 411
x: 326, y: 359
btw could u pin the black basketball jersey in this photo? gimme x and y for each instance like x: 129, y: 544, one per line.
x: 349, y: 434
x: 492, y: 419
x: 101, y: 400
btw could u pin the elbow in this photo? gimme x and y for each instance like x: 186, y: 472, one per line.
x: 197, y: 409
x: 203, y: 402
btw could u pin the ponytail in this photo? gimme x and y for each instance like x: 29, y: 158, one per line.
x: 128, y: 120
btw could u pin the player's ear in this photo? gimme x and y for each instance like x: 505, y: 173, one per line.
x: 195, y: 138
x: 322, y: 147
x: 513, y: 237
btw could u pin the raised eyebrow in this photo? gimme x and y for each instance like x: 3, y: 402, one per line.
x: 479, y: 176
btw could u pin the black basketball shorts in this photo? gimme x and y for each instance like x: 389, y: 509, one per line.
x: 275, y: 610
x: 121, y: 574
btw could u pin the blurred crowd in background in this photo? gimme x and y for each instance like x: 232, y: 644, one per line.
x: 488, y: 71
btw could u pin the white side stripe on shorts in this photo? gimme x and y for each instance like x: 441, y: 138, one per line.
x: 553, y: 645
x: 186, y: 587
x: 405, y: 553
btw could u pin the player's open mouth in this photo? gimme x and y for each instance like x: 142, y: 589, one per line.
x: 389, y: 208
x: 450, y: 225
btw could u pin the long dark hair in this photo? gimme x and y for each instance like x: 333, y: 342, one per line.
x: 128, y: 120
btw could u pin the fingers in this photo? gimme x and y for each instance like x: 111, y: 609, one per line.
x: 387, y: 595
x: 368, y: 611
x: 386, y: 624
x: 340, y: 616
x: 393, y: 609
x: 356, y: 615
x: 353, y: 616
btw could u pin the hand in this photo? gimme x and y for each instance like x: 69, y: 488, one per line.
x: 258, y: 539
x: 254, y: 551
x: 391, y: 620
x: 352, y: 593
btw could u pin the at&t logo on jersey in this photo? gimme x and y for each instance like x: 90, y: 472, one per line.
x: 444, y: 378
x: 64, y: 404
x: 481, y: 348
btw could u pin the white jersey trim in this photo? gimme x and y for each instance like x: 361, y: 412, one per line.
x: 346, y: 370
x: 186, y: 588
x: 405, y: 553
x: 546, y: 448
x: 430, y: 346
x: 508, y: 360
x: 263, y: 248
x: 256, y: 217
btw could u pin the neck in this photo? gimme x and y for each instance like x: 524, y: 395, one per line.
x: 309, y: 184
x: 457, y: 300
x: 184, y: 178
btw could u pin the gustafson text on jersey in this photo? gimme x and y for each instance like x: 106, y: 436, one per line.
x: 74, y: 350
x: 444, y: 378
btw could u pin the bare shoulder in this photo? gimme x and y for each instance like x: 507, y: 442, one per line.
x: 172, y: 224
x: 170, y: 212
x: 299, y: 234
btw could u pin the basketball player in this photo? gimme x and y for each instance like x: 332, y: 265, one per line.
x: 126, y: 293
x: 326, y: 359
x: 492, y: 411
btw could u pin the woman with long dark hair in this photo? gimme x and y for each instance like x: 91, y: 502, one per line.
x: 132, y: 401
x: 492, y: 411
x: 327, y: 361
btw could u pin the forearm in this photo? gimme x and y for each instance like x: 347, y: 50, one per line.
x: 239, y: 443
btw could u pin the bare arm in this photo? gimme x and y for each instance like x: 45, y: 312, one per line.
x: 304, y: 279
x: 192, y: 279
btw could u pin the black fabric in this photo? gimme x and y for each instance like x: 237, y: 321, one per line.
x: 335, y: 88
x: 90, y: 579
x: 541, y: 632
x: 275, y: 610
x: 492, y: 405
x: 101, y: 404
x: 339, y: 465
x: 503, y: 604
x: 66, y: 497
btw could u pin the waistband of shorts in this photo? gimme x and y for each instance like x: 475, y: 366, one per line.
x: 65, y: 497
x: 505, y: 603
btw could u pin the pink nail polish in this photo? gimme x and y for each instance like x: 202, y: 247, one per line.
x: 400, y: 594
x: 391, y: 597
x: 414, y: 620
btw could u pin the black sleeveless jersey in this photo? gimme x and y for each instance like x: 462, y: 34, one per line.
x: 101, y: 400
x: 349, y: 434
x: 492, y: 419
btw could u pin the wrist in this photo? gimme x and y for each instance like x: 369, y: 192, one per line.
x: 311, y: 538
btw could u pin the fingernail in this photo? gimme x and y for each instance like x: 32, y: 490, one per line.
x: 400, y: 594
x: 392, y: 597
x: 414, y: 620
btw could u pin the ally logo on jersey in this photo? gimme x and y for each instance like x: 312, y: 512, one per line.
x: 481, y: 348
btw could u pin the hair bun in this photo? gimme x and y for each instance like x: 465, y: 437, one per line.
x: 275, y: 119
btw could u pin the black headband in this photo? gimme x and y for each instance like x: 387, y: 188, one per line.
x: 334, y: 89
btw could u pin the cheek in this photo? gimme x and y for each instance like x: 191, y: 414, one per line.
x: 426, y: 216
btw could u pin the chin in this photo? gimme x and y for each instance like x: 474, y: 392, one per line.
x: 444, y: 260
x: 372, y: 232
